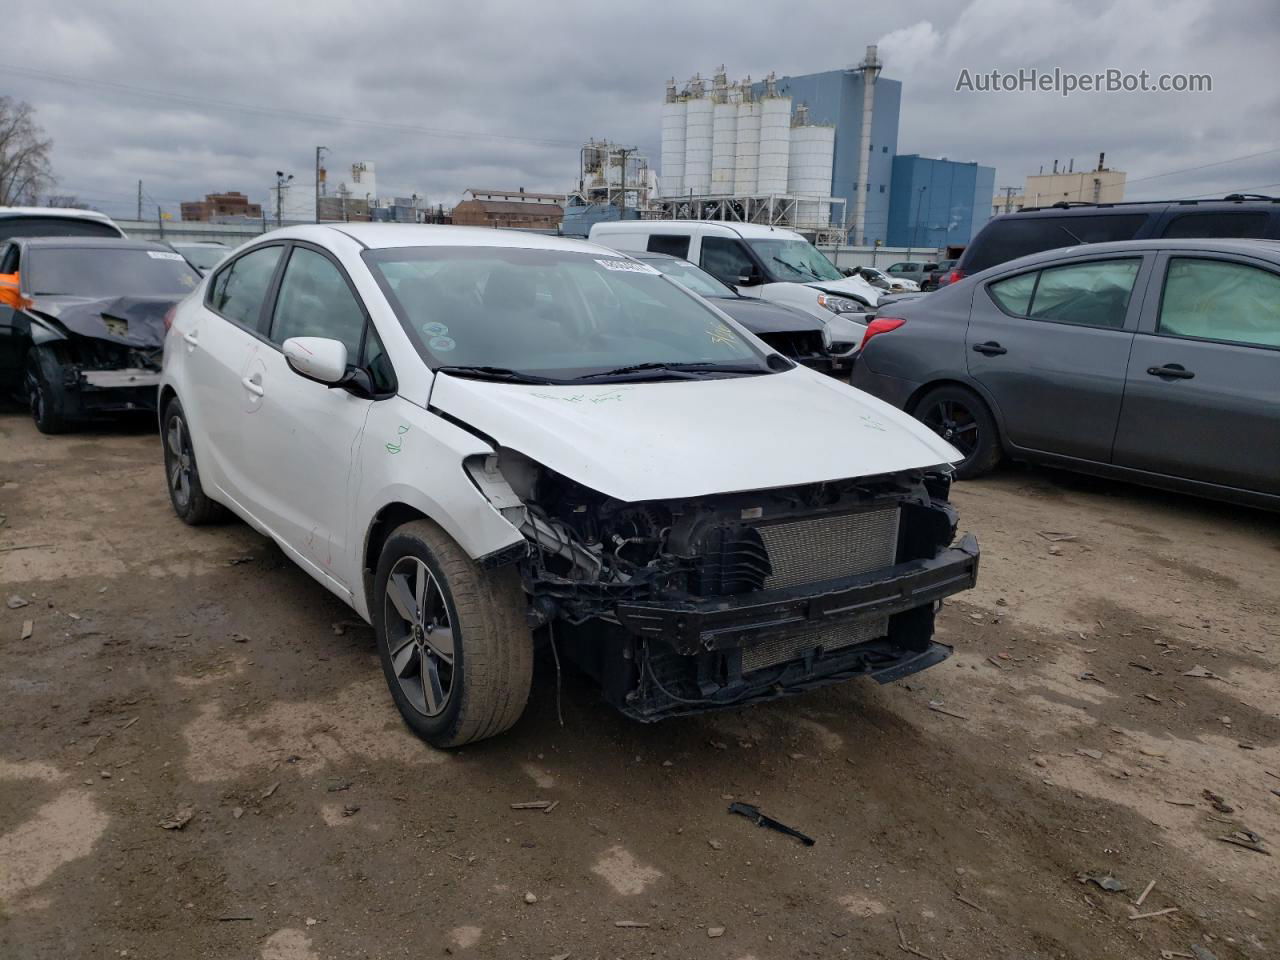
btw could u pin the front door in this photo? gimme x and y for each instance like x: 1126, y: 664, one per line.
x: 302, y: 437
x: 1202, y: 400
x: 1051, y: 347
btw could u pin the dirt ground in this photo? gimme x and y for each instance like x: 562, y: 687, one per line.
x: 174, y: 673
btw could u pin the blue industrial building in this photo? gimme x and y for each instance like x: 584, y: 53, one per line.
x: 936, y: 203
x: 835, y: 97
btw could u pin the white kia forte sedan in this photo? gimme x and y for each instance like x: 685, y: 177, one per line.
x: 487, y: 442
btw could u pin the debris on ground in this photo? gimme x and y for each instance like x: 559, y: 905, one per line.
x: 715, y: 844
x: 630, y: 924
x: 1199, y: 671
x: 1153, y: 913
x: 530, y: 897
x: 1218, y: 802
x: 1104, y: 880
x: 937, y: 707
x: 761, y: 820
x: 714, y: 932
x: 350, y: 810
x: 236, y: 561
x: 1201, y: 953
x: 28, y: 627
x: 1145, y: 891
x: 1091, y: 754
x: 1246, y: 839
x: 1054, y: 537
x: 16, y: 602
x: 179, y: 819
x: 534, y: 805
x: 270, y: 790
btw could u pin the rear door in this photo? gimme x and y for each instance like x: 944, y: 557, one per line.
x: 1202, y: 399
x: 301, y: 437
x: 217, y: 342
x: 1051, y: 347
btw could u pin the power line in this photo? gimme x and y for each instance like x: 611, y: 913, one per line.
x: 1218, y: 193
x: 1203, y: 166
x: 280, y: 112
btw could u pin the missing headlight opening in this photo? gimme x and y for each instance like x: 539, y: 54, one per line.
x: 680, y: 606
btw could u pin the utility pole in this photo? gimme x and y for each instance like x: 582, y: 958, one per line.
x: 622, y: 180
x: 139, y: 199
x: 1008, y: 198
x: 160, y: 220
x: 281, y: 182
x: 320, y: 177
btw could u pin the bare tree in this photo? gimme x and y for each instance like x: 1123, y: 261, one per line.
x: 66, y: 200
x: 24, y: 154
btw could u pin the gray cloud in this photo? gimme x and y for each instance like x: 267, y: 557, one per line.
x: 548, y: 75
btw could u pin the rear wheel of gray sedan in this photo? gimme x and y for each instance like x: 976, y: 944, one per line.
x: 963, y: 419
x: 455, y: 647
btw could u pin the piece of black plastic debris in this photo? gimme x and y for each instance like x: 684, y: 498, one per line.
x: 759, y: 819
x: 1104, y: 880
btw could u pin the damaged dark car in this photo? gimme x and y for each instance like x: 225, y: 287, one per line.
x: 82, y: 324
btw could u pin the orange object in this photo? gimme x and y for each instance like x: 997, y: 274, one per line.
x: 9, y: 291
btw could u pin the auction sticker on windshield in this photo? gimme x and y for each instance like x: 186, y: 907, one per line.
x: 627, y: 266
x: 161, y: 255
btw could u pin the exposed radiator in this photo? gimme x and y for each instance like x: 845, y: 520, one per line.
x: 828, y: 547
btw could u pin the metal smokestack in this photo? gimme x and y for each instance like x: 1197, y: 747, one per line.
x: 870, y: 70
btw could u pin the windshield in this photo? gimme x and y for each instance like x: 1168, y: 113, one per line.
x: 695, y: 278
x: 795, y: 260
x: 555, y: 315
x: 203, y: 258
x: 105, y: 272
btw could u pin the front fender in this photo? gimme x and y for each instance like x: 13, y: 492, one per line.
x: 44, y: 331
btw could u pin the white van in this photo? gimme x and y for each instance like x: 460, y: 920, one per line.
x: 760, y: 261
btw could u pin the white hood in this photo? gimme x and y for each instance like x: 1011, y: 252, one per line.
x: 659, y: 441
x: 855, y: 285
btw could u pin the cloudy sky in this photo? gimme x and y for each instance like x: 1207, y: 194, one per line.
x: 442, y: 96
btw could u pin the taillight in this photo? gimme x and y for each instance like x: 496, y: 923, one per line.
x: 168, y: 317
x: 955, y: 276
x: 880, y: 325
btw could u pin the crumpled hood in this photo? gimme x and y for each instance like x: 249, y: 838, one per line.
x: 658, y: 441
x: 764, y: 316
x: 849, y: 285
x: 128, y: 321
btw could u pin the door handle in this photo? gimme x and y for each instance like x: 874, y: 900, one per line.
x: 253, y: 386
x: 191, y: 339
x: 1174, y: 371
x: 989, y: 349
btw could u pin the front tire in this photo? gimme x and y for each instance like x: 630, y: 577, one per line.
x: 186, y: 494
x: 44, y: 390
x: 456, y: 650
x: 964, y: 420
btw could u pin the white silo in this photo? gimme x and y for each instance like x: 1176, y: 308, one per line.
x: 673, y: 129
x: 724, y: 136
x: 747, y: 160
x: 775, y: 141
x: 811, y: 154
x: 698, y: 136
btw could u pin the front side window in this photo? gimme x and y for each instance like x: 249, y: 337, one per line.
x: 315, y: 301
x: 1220, y: 300
x: 797, y: 261
x: 238, y: 290
x: 725, y: 258
x: 553, y: 314
x: 107, y: 272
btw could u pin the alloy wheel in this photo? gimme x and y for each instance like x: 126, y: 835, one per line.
x: 179, y: 461
x: 420, y: 636
x: 954, y: 423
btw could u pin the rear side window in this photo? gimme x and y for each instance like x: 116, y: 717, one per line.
x: 54, y: 227
x: 1005, y: 240
x: 1086, y: 294
x: 1224, y: 224
x: 1219, y: 300
x: 670, y: 244
x: 238, y: 290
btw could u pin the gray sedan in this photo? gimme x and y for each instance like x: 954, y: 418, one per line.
x: 1156, y: 361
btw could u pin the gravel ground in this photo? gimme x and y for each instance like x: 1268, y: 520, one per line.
x: 1118, y: 660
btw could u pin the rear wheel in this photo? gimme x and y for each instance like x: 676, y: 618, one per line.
x: 44, y: 390
x: 963, y: 419
x: 190, y: 502
x: 455, y: 648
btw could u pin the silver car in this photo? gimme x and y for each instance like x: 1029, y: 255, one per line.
x: 1156, y: 361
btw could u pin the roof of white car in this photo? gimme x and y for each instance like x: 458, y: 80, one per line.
x: 72, y: 213
x: 748, y: 231
x: 380, y: 236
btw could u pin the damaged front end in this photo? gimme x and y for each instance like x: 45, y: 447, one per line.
x: 102, y: 357
x: 682, y: 606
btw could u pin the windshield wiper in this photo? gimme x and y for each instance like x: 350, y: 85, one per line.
x: 495, y: 373
x: 675, y: 367
x: 794, y: 269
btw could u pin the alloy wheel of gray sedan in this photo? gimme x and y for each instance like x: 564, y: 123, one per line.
x: 179, y: 462
x: 419, y: 636
x: 953, y: 422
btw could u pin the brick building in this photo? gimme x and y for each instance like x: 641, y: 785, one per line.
x: 231, y: 204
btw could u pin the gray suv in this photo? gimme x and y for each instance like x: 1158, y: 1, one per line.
x: 1156, y: 361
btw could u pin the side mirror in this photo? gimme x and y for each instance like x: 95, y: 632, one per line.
x: 317, y: 358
